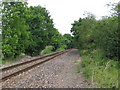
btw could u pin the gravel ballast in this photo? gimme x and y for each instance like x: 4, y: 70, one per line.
x: 59, y: 72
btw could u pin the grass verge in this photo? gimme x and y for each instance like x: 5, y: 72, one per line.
x: 10, y: 60
x: 99, y: 71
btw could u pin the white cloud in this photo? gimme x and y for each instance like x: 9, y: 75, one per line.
x: 64, y: 12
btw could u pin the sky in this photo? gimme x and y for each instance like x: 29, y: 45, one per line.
x: 65, y: 12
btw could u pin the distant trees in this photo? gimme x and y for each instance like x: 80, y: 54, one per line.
x: 68, y: 41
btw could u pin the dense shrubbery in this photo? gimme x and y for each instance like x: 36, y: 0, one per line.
x: 97, y: 41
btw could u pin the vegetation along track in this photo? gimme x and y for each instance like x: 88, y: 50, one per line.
x: 10, y: 71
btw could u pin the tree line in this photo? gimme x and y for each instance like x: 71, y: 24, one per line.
x: 91, y: 34
x: 29, y: 30
x: 98, y: 44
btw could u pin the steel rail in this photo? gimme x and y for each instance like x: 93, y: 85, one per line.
x: 5, y: 77
x: 25, y: 62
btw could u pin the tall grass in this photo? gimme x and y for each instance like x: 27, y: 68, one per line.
x: 99, y: 71
x: 12, y: 59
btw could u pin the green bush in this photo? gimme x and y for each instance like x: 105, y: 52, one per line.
x: 62, y: 47
x: 47, y: 50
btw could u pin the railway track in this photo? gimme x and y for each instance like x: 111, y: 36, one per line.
x: 16, y: 69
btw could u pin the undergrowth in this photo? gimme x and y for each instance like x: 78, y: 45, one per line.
x: 12, y: 59
x: 99, y: 71
x: 47, y: 50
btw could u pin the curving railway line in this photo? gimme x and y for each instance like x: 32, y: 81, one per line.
x: 13, y: 70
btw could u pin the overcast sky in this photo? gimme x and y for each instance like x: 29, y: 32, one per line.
x: 64, y: 12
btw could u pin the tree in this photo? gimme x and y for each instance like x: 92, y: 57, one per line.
x: 42, y: 30
x: 82, y: 31
x: 91, y: 34
x: 14, y: 29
